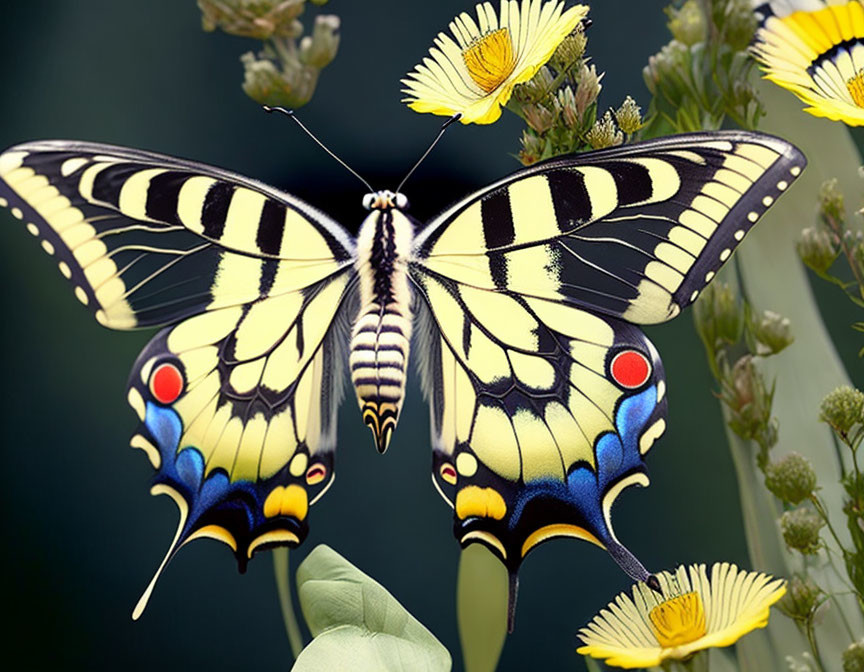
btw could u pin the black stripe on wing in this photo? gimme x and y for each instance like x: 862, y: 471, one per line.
x: 145, y: 238
x: 635, y: 232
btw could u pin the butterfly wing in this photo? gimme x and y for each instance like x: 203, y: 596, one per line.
x: 544, y: 395
x: 148, y: 239
x: 634, y: 232
x: 237, y: 397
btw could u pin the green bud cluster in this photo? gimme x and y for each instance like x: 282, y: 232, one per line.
x: 702, y: 76
x: 604, y: 133
x: 559, y: 106
x: 801, y: 600
x: 820, y: 246
x: 842, y: 409
x: 285, y: 70
x: 718, y: 316
x: 687, y: 24
x: 800, y: 529
x: 818, y: 249
x: 772, y: 332
x: 791, y: 478
x: 853, y: 657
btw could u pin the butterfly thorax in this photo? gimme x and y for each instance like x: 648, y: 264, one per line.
x: 382, y: 331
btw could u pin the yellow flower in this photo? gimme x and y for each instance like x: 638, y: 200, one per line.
x: 474, y: 74
x: 697, y: 613
x: 817, y: 54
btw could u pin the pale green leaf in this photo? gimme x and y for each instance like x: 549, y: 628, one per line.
x: 481, y: 603
x: 357, y: 625
x: 775, y: 279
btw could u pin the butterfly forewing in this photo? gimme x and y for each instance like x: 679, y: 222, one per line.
x: 148, y: 239
x: 634, y: 232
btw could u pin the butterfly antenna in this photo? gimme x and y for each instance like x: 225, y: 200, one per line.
x: 454, y: 118
x: 291, y: 115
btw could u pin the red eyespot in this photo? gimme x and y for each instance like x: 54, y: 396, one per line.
x: 166, y: 383
x: 316, y: 474
x: 630, y: 369
x: 448, y: 473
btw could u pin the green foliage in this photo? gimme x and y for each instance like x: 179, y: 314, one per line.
x: 701, y: 77
x: 285, y: 70
x: 559, y: 107
x: 481, y: 607
x: 834, y: 237
x: 356, y: 624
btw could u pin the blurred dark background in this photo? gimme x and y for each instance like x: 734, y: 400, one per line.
x: 82, y: 536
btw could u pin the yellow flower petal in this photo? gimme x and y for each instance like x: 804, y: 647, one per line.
x: 818, y: 55
x: 474, y: 71
x: 698, y: 613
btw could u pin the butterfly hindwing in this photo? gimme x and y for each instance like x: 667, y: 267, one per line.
x: 148, y: 239
x: 634, y: 232
x: 541, y: 414
x: 238, y: 415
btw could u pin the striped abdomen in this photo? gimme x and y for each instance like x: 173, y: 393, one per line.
x: 382, y: 331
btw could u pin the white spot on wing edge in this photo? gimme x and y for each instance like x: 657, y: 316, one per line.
x: 724, y: 255
x: 795, y: 171
x: 81, y: 295
x: 10, y: 161
x: 753, y: 216
x: 739, y: 234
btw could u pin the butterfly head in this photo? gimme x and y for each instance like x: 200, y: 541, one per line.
x: 385, y: 200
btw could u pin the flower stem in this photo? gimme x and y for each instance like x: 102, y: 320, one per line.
x: 814, y: 645
x: 281, y: 569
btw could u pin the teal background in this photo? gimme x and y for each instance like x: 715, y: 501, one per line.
x: 80, y: 532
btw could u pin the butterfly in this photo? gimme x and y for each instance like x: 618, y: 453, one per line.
x: 522, y: 303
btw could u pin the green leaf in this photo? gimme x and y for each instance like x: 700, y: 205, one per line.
x: 357, y: 624
x: 481, y: 604
x: 775, y: 279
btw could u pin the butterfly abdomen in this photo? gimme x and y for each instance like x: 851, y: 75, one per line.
x: 382, y: 332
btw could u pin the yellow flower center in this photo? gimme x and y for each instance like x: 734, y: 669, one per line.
x: 856, y: 88
x: 678, y: 621
x: 490, y: 59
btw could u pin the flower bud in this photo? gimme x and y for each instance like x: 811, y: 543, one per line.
x: 260, y: 20
x: 587, y: 88
x: 804, y: 665
x: 853, y: 657
x: 567, y: 104
x: 687, y: 24
x: 718, y: 316
x: 831, y: 204
x: 320, y: 49
x: 791, y: 478
x: 571, y: 49
x: 802, y: 598
x: 773, y: 332
x: 843, y: 409
x: 538, y: 117
x: 738, y: 23
x: 818, y: 249
x: 800, y: 529
x: 604, y: 133
x: 532, y: 148
x: 629, y: 116
x: 266, y: 84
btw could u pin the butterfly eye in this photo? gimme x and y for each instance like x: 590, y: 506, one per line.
x: 316, y: 474
x: 166, y: 383
x: 401, y: 201
x: 368, y: 201
x: 630, y: 369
